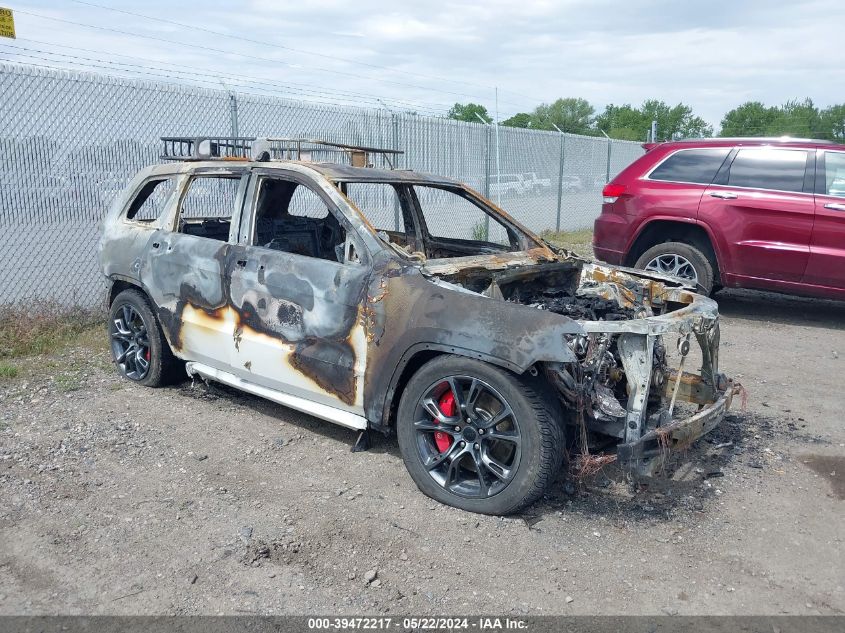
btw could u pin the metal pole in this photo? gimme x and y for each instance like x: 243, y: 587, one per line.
x: 398, y: 222
x: 486, y: 188
x: 559, y: 179
x: 654, y: 131
x: 233, y: 113
x: 607, y: 171
x: 233, y: 108
x: 498, y: 164
x: 487, y: 144
x: 396, y: 138
x: 397, y: 211
x: 487, y: 181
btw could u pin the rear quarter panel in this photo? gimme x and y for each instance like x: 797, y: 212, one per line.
x: 643, y: 202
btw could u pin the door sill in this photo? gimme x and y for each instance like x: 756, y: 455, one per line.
x: 332, y: 414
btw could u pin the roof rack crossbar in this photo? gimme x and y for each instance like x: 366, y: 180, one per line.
x: 185, y: 148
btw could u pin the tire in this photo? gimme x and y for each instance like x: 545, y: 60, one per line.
x: 698, y: 261
x: 517, y: 457
x: 132, y: 348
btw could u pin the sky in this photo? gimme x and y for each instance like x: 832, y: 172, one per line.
x: 425, y: 56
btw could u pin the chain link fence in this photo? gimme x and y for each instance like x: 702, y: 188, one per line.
x: 70, y: 141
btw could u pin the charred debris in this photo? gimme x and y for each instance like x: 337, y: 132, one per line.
x: 595, y: 390
x: 557, y: 287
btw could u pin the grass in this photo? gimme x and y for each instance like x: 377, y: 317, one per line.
x: 479, y: 232
x: 46, y: 328
x: 68, y: 382
x: 580, y: 242
x: 7, y: 371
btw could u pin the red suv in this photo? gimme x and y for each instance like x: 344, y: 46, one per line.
x: 737, y: 213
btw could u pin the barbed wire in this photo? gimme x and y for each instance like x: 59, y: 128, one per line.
x: 188, y: 70
x: 252, y: 84
x: 255, y: 57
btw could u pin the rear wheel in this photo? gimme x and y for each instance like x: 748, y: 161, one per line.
x: 680, y: 260
x: 477, y: 438
x: 138, y: 347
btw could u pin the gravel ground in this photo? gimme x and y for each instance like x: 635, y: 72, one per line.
x: 122, y: 500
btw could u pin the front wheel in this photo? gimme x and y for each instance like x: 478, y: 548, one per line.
x: 477, y: 438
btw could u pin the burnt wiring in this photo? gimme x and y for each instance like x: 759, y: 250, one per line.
x: 577, y: 384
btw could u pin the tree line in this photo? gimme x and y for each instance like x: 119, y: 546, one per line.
x: 577, y: 116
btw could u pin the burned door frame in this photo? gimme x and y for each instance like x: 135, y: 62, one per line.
x: 300, y: 325
x: 405, y: 208
x: 432, y: 241
x: 188, y: 277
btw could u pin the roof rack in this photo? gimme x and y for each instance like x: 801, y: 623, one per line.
x: 187, y: 148
x: 762, y: 139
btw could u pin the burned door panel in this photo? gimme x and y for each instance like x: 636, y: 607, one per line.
x: 298, y: 326
x: 187, y: 269
x: 186, y: 278
x: 298, y: 302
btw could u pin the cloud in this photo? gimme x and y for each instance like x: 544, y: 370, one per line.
x: 396, y: 27
x: 711, y: 55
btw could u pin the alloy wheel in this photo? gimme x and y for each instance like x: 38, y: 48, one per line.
x: 673, y: 265
x: 467, y: 436
x: 130, y: 342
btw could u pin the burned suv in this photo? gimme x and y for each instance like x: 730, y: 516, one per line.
x: 393, y: 301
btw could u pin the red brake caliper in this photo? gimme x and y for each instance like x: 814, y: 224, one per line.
x: 447, y: 406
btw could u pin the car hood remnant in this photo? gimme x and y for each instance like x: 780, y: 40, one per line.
x: 622, y: 385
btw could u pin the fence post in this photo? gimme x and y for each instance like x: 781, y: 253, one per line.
x: 607, y: 173
x: 486, y: 186
x: 395, y: 137
x: 560, y: 178
x: 487, y: 162
x: 398, y: 221
x: 233, y: 113
x: 487, y: 181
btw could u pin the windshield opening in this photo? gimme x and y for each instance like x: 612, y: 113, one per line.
x: 425, y: 221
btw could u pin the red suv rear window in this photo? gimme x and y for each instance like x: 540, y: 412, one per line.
x: 691, y: 165
x: 769, y: 168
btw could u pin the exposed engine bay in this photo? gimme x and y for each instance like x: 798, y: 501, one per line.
x: 589, y: 308
x: 621, y: 387
x: 556, y: 287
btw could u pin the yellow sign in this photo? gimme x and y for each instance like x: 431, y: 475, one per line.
x: 7, y: 23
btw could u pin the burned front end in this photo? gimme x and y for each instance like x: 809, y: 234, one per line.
x: 646, y: 379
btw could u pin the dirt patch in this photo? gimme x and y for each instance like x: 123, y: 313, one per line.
x: 831, y: 467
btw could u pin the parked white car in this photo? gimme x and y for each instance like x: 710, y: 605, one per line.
x: 503, y: 185
x: 572, y: 184
x: 534, y: 183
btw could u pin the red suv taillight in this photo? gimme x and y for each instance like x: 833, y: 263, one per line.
x: 612, y: 191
